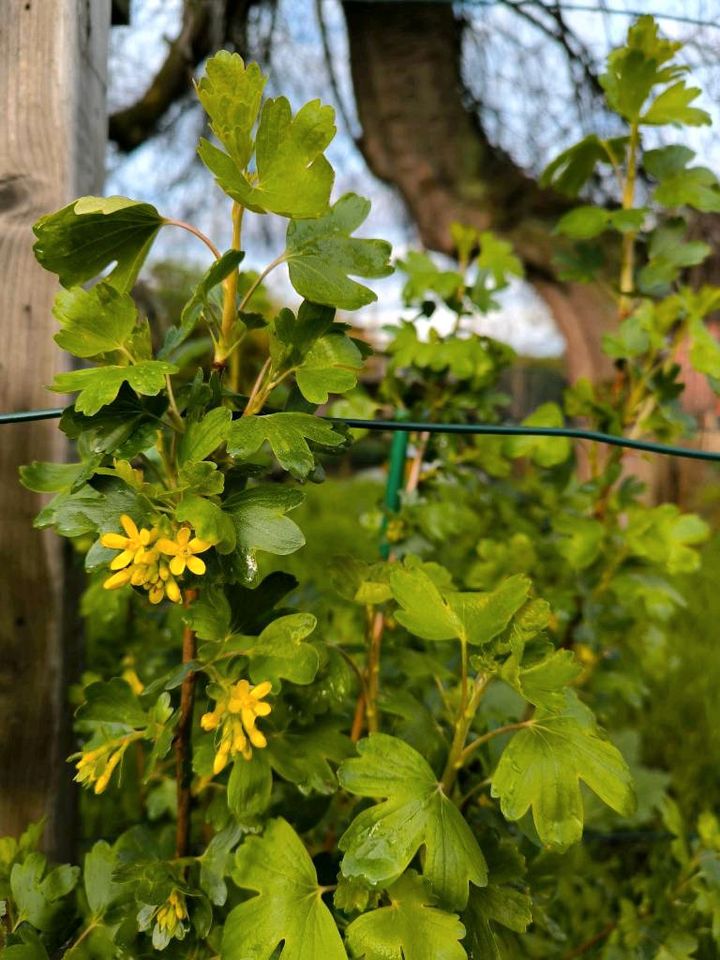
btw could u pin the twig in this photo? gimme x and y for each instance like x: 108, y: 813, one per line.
x: 592, y: 942
x: 183, y: 742
x: 377, y: 629
x: 196, y: 233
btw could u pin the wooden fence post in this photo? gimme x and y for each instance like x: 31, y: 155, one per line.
x: 53, y: 58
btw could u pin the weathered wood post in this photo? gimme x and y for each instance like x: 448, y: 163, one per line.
x: 53, y: 58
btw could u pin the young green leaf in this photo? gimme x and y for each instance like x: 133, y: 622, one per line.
x: 634, y: 69
x: 36, y: 893
x: 543, y: 683
x: 494, y: 904
x: 100, y: 888
x: 280, y: 650
x: 54, y: 477
x: 260, y: 522
x: 704, y: 350
x: 112, y: 702
x: 666, y: 537
x: 292, y: 337
x: 322, y: 255
x: 542, y: 766
x: 289, y: 435
x: 209, y: 521
x: 668, y: 254
x: 249, y: 789
x: 30, y: 950
x: 435, y: 614
x: 124, y: 427
x: 231, y: 94
x: 331, y: 365
x: 94, y: 321
x: 580, y: 539
x: 583, y: 223
x: 665, y: 161
x: 215, y: 861
x: 497, y: 260
x: 673, y: 106
x: 218, y: 614
x: 302, y: 758
x: 203, y: 436
x: 424, y: 276
x: 409, y: 928
x: 198, y: 302
x: 544, y: 451
x: 382, y: 840
x: 288, y: 908
x: 81, y: 240
x: 696, y: 187
x: 293, y: 178
x: 98, y: 386
x: 569, y: 171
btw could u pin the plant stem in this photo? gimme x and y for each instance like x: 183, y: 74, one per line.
x: 183, y: 742
x: 196, y: 233
x: 592, y: 942
x: 229, y: 302
x: 416, y: 466
x: 463, y: 722
x: 358, y: 718
x: 257, y: 394
x: 259, y: 279
x: 470, y: 749
x: 367, y: 701
x: 377, y: 628
x: 88, y: 930
x: 627, y: 268
x: 175, y: 413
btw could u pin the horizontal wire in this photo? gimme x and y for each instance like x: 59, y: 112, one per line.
x: 511, y: 430
x: 473, y: 429
x: 26, y: 416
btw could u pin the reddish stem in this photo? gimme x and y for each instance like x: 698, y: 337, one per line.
x: 183, y: 742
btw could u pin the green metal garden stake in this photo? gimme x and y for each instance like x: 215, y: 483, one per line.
x: 396, y: 472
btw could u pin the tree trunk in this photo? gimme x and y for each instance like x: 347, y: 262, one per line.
x: 419, y: 134
x: 52, y: 95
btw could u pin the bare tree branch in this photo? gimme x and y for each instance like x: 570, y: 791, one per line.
x: 206, y: 26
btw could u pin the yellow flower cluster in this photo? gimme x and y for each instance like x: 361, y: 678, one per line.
x: 97, y: 766
x: 235, y: 716
x: 142, y: 559
x: 171, y: 914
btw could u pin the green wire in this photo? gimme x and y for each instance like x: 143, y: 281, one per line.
x: 507, y: 430
x: 23, y: 416
x: 480, y: 429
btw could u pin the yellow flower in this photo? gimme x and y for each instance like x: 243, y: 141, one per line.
x: 171, y: 913
x: 131, y: 546
x: 182, y: 550
x: 96, y: 767
x: 235, y: 716
x: 119, y: 579
x: 158, y: 581
x: 130, y: 676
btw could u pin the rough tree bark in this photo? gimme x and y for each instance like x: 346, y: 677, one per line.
x: 52, y: 96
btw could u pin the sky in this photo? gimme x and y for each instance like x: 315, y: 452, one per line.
x: 511, y: 88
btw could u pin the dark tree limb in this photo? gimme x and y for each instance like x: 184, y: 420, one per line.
x: 206, y: 26
x: 420, y: 134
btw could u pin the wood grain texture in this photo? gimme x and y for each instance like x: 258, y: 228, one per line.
x: 53, y: 59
